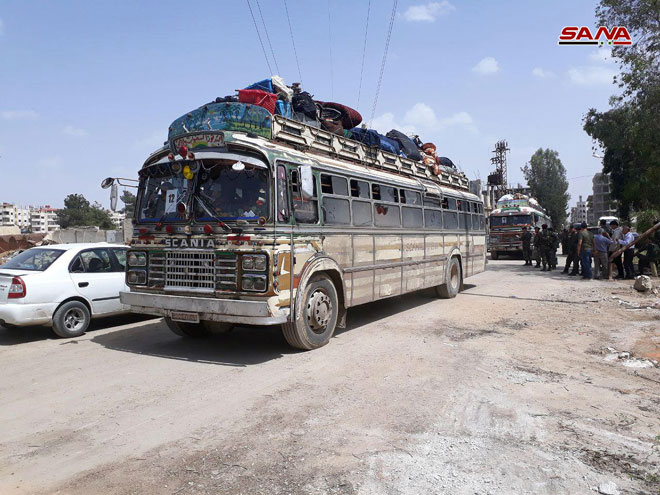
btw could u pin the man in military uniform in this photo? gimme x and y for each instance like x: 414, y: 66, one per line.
x: 571, y: 251
x: 527, y: 246
x: 554, y: 245
x: 545, y: 248
x: 537, y: 246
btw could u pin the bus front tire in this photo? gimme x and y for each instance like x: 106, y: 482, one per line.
x: 318, y: 316
x: 454, y: 280
x: 184, y: 329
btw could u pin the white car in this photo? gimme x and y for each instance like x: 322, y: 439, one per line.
x: 63, y: 285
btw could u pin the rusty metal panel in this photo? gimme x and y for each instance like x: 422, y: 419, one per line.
x: 388, y: 248
x: 338, y: 247
x: 363, y: 287
x: 413, y: 247
x: 363, y: 250
x: 388, y: 281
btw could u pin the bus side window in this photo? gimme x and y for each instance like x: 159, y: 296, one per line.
x: 282, y: 197
x: 359, y: 189
x: 304, y: 211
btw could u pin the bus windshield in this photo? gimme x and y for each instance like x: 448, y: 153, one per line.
x: 161, y: 192
x: 230, y: 192
x: 497, y: 221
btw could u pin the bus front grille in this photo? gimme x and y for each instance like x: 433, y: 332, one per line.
x: 190, y: 271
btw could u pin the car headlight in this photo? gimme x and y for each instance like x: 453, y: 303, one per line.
x: 258, y: 262
x: 137, y: 258
x: 254, y: 283
x: 136, y: 277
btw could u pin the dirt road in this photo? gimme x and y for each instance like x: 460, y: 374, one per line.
x: 509, y: 388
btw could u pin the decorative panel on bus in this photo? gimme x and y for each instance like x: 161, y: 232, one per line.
x: 226, y: 116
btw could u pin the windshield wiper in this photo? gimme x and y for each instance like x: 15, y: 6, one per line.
x: 205, y: 206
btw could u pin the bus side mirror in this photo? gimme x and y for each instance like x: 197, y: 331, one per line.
x: 114, y: 193
x: 306, y: 182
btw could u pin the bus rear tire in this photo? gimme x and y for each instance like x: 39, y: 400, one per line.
x: 184, y: 329
x: 494, y: 255
x: 454, y: 280
x: 318, y: 316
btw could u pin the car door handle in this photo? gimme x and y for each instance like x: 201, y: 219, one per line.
x: 83, y: 284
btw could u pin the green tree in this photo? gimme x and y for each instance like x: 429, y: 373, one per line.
x: 546, y: 177
x: 128, y: 198
x: 628, y: 132
x: 78, y: 212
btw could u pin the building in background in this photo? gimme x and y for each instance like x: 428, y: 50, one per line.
x: 602, y: 204
x: 12, y: 215
x: 579, y: 213
x: 117, y: 218
x: 44, y: 219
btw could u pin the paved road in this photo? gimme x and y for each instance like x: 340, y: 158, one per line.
x: 507, y: 388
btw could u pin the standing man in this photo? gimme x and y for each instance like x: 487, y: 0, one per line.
x: 602, y: 245
x: 545, y: 246
x: 527, y: 246
x: 616, y: 236
x: 571, y: 251
x: 563, y: 237
x: 628, y: 267
x: 585, y: 249
x: 537, y: 246
x: 554, y: 245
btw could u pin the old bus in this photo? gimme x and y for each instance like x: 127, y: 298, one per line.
x: 248, y: 218
x: 506, y: 221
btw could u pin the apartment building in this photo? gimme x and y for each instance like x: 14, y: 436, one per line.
x: 44, y: 219
x: 12, y: 215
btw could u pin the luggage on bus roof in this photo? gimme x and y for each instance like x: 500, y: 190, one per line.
x: 407, y: 145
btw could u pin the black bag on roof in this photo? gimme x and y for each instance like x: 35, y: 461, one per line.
x: 443, y: 160
x: 365, y: 136
x: 408, y: 146
x: 303, y: 103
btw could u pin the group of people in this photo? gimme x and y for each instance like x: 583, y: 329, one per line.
x: 541, y: 246
x: 584, y: 249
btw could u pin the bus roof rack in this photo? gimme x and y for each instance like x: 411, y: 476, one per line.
x: 308, y: 138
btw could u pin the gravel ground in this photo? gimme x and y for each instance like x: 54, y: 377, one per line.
x: 527, y: 382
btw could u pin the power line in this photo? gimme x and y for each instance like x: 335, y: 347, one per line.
x: 263, y: 49
x: 267, y: 36
x: 295, y: 52
x: 332, y: 80
x: 364, y: 52
x: 382, y: 65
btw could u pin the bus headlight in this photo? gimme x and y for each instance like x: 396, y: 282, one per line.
x: 257, y: 262
x: 137, y: 258
x: 136, y: 277
x: 254, y: 283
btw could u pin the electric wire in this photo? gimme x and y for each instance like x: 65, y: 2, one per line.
x: 382, y: 65
x: 263, y: 49
x: 295, y: 52
x: 332, y: 79
x: 267, y: 37
x: 364, y: 52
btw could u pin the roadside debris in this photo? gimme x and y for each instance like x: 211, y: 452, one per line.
x: 608, y: 488
x: 643, y: 283
x: 628, y: 360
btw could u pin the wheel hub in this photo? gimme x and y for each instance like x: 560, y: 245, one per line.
x: 73, y: 319
x: 319, y: 310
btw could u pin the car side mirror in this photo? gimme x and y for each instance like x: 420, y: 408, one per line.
x: 306, y: 182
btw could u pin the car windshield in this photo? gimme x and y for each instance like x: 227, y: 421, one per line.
x: 227, y: 194
x: 161, y: 193
x: 497, y: 221
x: 35, y: 259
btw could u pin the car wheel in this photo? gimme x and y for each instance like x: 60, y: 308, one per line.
x: 318, y: 316
x: 184, y: 329
x: 494, y: 255
x: 454, y: 280
x: 71, y: 319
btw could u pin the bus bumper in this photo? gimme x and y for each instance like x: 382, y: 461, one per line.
x: 207, y: 309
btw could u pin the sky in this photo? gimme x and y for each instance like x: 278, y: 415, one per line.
x: 88, y: 89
